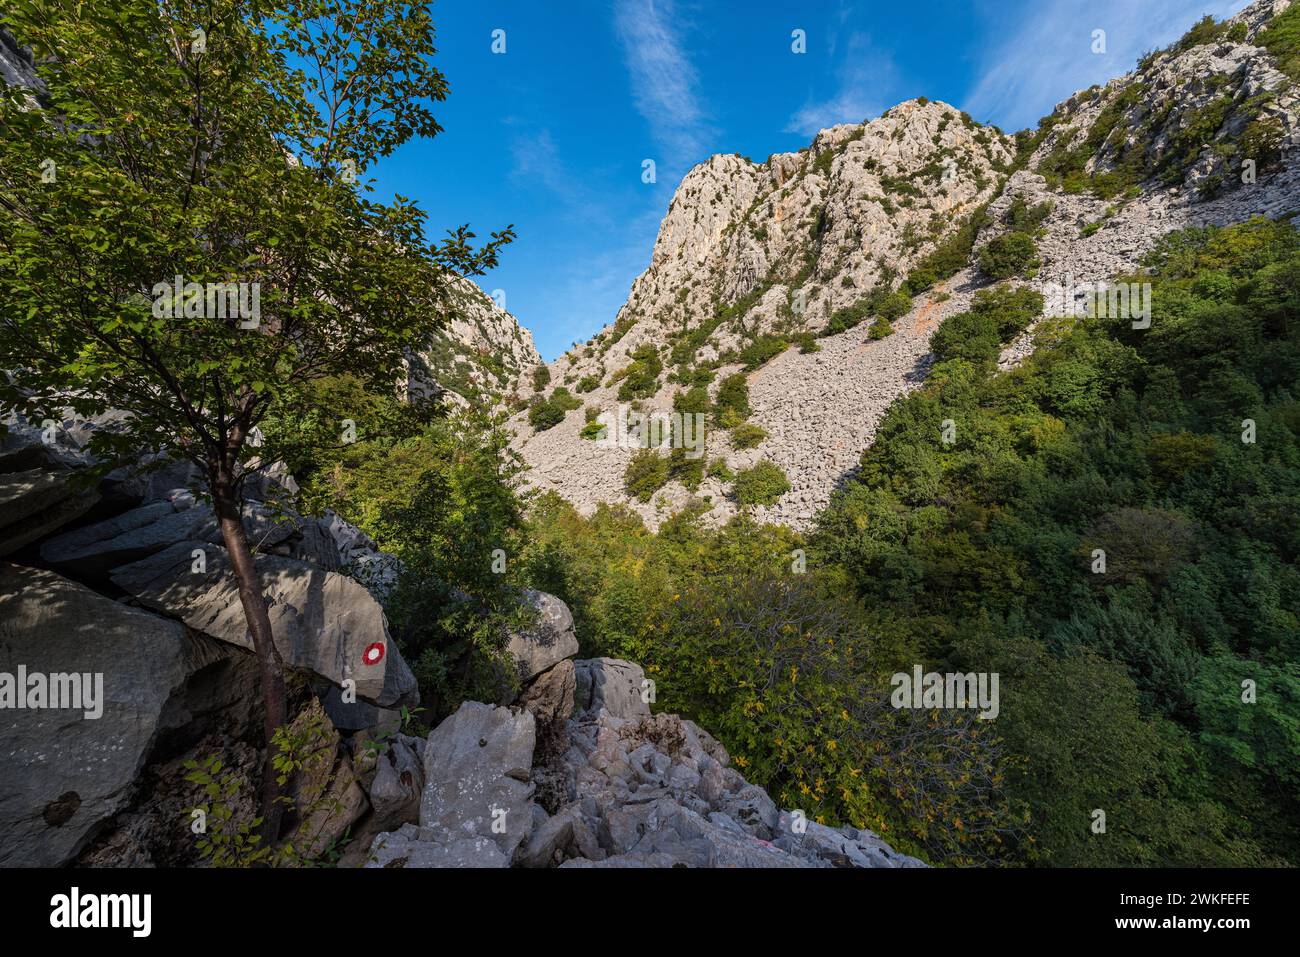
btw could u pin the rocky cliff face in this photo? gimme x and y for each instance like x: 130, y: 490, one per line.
x: 482, y: 353
x: 761, y: 253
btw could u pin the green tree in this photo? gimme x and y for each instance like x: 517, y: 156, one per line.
x: 1008, y: 255
x: 731, y: 406
x: 220, y: 142
x: 647, y: 472
x: 762, y: 484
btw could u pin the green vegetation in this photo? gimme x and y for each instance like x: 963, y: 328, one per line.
x: 950, y: 255
x: 1205, y: 30
x: 1023, y: 218
x: 1121, y: 688
x: 747, y: 435
x: 760, y: 350
x: 541, y: 378
x: 544, y: 412
x: 880, y: 303
x: 762, y: 484
x: 646, y: 473
x: 640, y: 379
x: 807, y: 343
x: 719, y: 470
x: 441, y: 498
x: 996, y: 316
x: 731, y: 407
x: 1010, y: 254
x: 1281, y: 38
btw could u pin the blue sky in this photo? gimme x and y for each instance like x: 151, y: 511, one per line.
x: 551, y: 134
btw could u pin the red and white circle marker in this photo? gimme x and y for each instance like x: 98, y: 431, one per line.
x: 374, y: 654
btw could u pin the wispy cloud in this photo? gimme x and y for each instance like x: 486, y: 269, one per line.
x: 664, y: 83
x: 1045, y: 52
x: 864, y: 79
x: 536, y: 162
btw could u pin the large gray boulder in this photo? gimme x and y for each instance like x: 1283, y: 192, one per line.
x: 65, y: 774
x: 611, y: 685
x: 550, y: 696
x: 666, y: 833
x: 37, y: 501
x: 478, y: 777
x: 140, y: 532
x: 549, y: 641
x: 323, y: 623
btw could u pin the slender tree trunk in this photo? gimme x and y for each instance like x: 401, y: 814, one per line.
x: 230, y: 519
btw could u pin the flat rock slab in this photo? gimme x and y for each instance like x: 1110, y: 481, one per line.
x: 147, y: 530
x: 36, y: 502
x: 64, y: 773
x: 322, y: 622
x: 478, y: 777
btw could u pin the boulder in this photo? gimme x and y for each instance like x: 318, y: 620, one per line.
x: 478, y: 777
x: 65, y: 774
x: 653, y: 792
x: 411, y: 846
x: 398, y: 784
x: 322, y: 622
x: 97, y: 549
x: 550, y: 696
x: 612, y: 686
x: 327, y: 796
x: 549, y: 641
x: 665, y: 828
x: 35, y: 502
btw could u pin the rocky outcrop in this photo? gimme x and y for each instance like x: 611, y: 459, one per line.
x: 611, y: 686
x: 604, y: 791
x: 322, y: 622
x: 36, y: 502
x: 482, y: 354
x: 549, y: 640
x: 743, y: 244
x: 111, y: 679
x: 478, y: 778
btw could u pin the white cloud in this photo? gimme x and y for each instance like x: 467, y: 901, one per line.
x: 864, y: 80
x: 1046, y: 54
x: 537, y: 163
x: 664, y: 83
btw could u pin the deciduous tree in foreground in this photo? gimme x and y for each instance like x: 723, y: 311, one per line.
x: 219, y: 147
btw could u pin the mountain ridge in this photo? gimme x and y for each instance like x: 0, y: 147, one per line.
x: 858, y: 213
